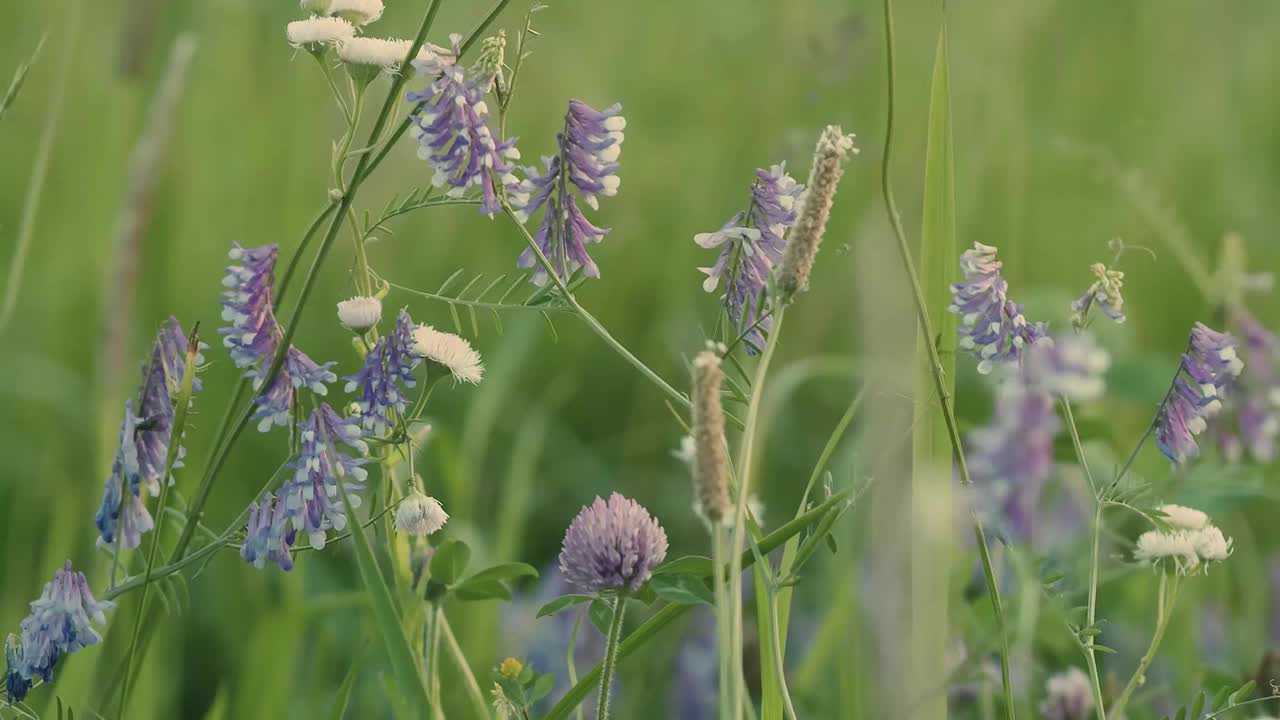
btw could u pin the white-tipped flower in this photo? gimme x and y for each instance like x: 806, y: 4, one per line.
x: 710, y: 458
x: 360, y: 313
x: 374, y: 52
x: 834, y: 148
x: 450, y: 351
x: 1160, y: 548
x: 360, y: 12
x: 318, y: 32
x: 420, y: 515
x: 1184, y: 518
x: 1210, y: 544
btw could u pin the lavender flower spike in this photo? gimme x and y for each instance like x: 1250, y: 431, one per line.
x: 312, y: 496
x: 453, y: 132
x: 1012, y: 457
x: 123, y: 518
x: 586, y: 158
x: 992, y: 327
x: 60, y: 623
x: 161, y: 384
x: 385, y: 376
x: 1255, y: 402
x: 1209, y: 367
x: 612, y: 546
x: 268, y: 537
x: 750, y: 247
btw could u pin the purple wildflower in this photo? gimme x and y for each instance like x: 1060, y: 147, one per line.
x: 612, y: 546
x: 992, y: 327
x: 589, y: 147
x: 386, y: 374
x: 312, y: 497
x: 268, y: 537
x: 1105, y: 292
x: 1070, y: 367
x: 1255, y: 401
x: 122, y: 510
x: 748, y: 252
x: 254, y: 337
x: 451, y: 128
x: 59, y: 623
x: 161, y: 383
x: 1209, y: 367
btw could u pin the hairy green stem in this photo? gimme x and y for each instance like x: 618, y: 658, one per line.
x: 672, y: 611
x: 935, y: 362
x: 611, y: 656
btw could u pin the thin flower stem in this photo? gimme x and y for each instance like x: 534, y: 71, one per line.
x: 744, y: 467
x: 1166, y: 596
x: 1091, y: 612
x: 296, y: 258
x: 721, y: 595
x: 473, y: 687
x: 434, y: 615
x: 611, y: 656
x: 570, y: 658
x: 935, y: 362
x: 779, y: 668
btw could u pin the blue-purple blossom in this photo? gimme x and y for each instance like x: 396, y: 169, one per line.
x: 750, y: 245
x: 254, y: 336
x: 1105, y: 292
x: 1209, y: 367
x: 161, y: 383
x: 1254, y: 403
x: 59, y: 623
x: 589, y: 146
x: 268, y: 536
x: 312, y: 498
x: 385, y: 376
x: 122, y: 510
x: 992, y: 326
x: 612, y: 546
x: 452, y: 130
x: 1072, y: 367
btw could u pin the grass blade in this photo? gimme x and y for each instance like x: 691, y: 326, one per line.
x: 19, y: 78
x: 931, y: 475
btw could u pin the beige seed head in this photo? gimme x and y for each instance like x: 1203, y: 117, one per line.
x: 834, y: 148
x: 710, y: 458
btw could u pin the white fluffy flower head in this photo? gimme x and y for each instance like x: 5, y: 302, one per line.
x: 1210, y: 544
x: 360, y: 12
x: 374, y: 52
x: 1183, y: 551
x: 420, y: 515
x: 316, y: 32
x: 451, y: 351
x: 1184, y: 518
x: 360, y: 313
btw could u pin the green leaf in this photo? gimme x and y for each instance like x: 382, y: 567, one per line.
x: 1220, y: 699
x: 601, y: 616
x: 562, y: 602
x: 684, y: 589
x: 403, y: 666
x: 688, y: 565
x: 450, y: 561
x: 1181, y: 714
x: 1197, y: 706
x: 471, y: 590
x: 1238, y: 696
x: 344, y: 693
x: 504, y: 571
x: 542, y: 687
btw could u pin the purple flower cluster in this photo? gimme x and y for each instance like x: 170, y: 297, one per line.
x: 254, y: 335
x: 1209, y: 367
x: 60, y: 622
x: 386, y: 374
x: 612, y: 546
x: 144, y: 444
x: 749, y: 252
x: 587, y: 157
x: 453, y: 132
x: 268, y: 537
x: 992, y: 327
x: 1254, y: 404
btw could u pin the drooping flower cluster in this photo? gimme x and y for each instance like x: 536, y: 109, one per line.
x: 385, y: 376
x: 750, y: 246
x: 992, y: 326
x: 1012, y: 456
x: 60, y: 623
x: 253, y: 337
x: 140, y: 458
x: 1068, y: 696
x: 587, y: 151
x: 313, y: 501
x: 612, y: 546
x: 1105, y: 292
x: 1209, y: 367
x: 268, y: 537
x: 1190, y: 544
x: 451, y: 127
x: 1252, y: 420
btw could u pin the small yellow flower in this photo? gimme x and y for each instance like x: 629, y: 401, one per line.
x: 511, y: 667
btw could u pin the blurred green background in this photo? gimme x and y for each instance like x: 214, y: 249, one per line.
x: 1075, y: 122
